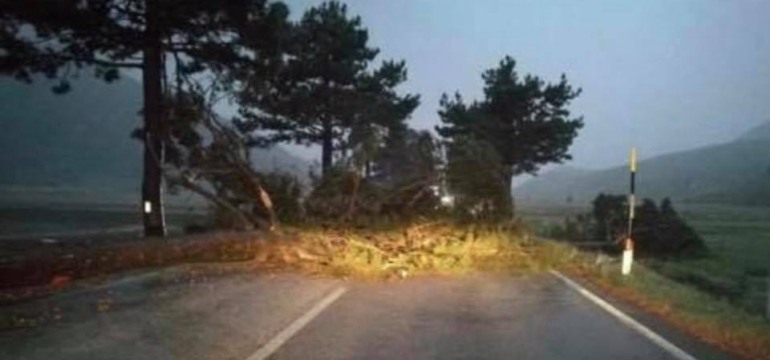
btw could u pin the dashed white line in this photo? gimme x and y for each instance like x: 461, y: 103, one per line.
x: 282, y: 337
x: 627, y: 320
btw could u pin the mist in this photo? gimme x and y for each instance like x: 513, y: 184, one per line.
x: 662, y: 76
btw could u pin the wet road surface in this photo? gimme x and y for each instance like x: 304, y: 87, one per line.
x: 154, y: 315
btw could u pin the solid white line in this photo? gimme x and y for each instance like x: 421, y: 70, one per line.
x: 268, y: 349
x: 627, y: 320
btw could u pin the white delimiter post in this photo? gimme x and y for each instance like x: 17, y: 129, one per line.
x: 628, y: 245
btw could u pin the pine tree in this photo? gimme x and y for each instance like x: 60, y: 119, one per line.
x: 326, y: 94
x: 59, y: 38
x: 524, y: 119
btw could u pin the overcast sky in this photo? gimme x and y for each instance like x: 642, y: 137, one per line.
x: 662, y: 75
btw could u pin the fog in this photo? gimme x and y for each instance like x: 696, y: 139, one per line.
x: 660, y: 75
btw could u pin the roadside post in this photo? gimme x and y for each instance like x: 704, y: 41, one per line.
x: 628, y: 243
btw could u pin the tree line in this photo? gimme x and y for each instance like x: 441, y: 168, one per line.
x: 658, y: 230
x: 313, y: 81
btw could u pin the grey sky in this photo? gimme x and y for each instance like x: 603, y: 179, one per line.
x: 663, y: 75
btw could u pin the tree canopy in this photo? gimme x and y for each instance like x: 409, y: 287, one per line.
x: 524, y: 120
x: 59, y: 38
x: 327, y: 92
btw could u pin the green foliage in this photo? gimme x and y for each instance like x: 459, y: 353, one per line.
x: 209, y: 38
x: 701, y: 314
x: 286, y: 194
x: 570, y: 230
x: 400, y: 180
x: 611, y: 216
x: 407, y: 168
x: 476, y: 180
x: 667, y: 232
x: 209, y: 157
x: 56, y: 38
x: 657, y: 232
x: 332, y: 194
x: 311, y: 82
x: 324, y: 93
x: 524, y: 121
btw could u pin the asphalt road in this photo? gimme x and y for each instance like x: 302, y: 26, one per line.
x: 536, y: 317
x: 162, y: 315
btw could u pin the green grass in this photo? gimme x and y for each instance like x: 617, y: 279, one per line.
x: 738, y: 236
x: 711, y: 319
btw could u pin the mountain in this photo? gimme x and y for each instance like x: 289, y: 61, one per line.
x: 759, y: 132
x: 737, y: 172
x: 78, y: 145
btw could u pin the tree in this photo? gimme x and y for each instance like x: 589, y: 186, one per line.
x: 657, y: 231
x: 474, y: 177
x: 58, y: 38
x: 526, y: 121
x: 406, y: 155
x: 610, y: 214
x: 408, y: 167
x: 325, y: 93
x: 208, y: 156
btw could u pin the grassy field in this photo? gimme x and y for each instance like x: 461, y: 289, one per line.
x: 20, y: 221
x: 738, y: 238
x: 743, y: 334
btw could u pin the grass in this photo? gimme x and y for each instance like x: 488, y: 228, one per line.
x: 737, y: 236
x: 715, y: 321
x: 429, y: 248
x: 719, y: 299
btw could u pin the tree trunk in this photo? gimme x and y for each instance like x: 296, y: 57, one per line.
x: 246, y: 222
x: 326, y: 146
x: 152, y: 192
x: 353, y: 198
x: 507, y: 202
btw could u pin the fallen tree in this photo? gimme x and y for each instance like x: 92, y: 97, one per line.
x: 209, y: 157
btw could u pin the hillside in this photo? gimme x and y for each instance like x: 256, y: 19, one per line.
x: 78, y: 145
x: 737, y: 172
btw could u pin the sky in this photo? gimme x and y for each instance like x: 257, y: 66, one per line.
x: 661, y: 75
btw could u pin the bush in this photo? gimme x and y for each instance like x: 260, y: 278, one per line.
x: 657, y: 231
x: 286, y: 194
x: 331, y: 195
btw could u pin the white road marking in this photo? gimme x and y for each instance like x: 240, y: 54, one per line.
x: 268, y: 349
x: 627, y: 320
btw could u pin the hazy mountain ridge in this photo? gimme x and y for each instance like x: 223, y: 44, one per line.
x: 736, y: 172
x: 80, y: 141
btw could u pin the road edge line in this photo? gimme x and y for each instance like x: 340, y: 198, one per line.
x: 282, y: 337
x: 627, y: 320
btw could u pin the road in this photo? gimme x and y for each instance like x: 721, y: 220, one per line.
x: 170, y: 314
